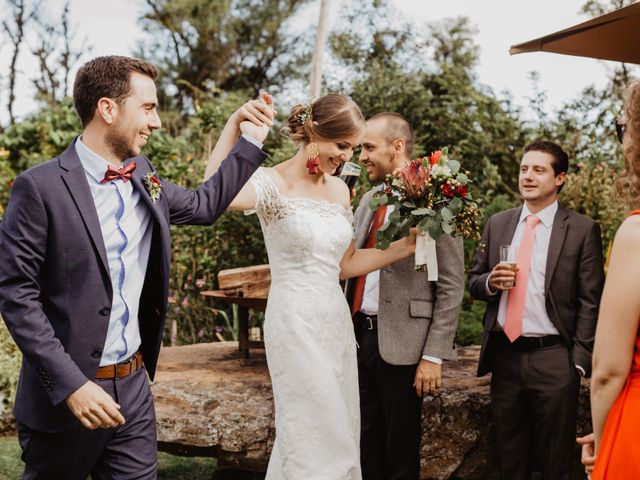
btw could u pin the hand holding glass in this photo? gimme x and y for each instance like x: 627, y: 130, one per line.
x: 507, y: 258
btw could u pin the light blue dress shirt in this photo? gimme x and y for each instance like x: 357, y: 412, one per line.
x: 125, y: 222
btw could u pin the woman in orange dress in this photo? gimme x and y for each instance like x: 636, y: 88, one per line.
x: 615, y: 386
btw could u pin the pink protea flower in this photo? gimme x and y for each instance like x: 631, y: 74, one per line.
x: 416, y: 178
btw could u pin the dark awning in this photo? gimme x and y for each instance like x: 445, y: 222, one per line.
x: 613, y: 36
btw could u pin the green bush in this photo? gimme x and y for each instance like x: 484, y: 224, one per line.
x: 40, y: 137
x: 6, y: 179
x: 470, y: 322
x: 10, y: 359
x: 591, y: 191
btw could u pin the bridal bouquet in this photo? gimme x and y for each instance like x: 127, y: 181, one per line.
x: 432, y: 194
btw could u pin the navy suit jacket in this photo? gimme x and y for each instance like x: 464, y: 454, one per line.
x: 55, y: 288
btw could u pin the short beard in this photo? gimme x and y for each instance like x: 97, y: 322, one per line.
x: 118, y: 146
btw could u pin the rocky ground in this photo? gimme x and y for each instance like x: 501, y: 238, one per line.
x: 210, y: 402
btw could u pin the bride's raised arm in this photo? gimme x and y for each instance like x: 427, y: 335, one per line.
x: 254, y: 120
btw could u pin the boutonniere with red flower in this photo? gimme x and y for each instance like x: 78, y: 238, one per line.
x: 153, y: 186
x: 432, y: 194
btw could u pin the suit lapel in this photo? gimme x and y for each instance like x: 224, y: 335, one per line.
x: 506, y: 235
x: 558, y: 234
x: 75, y: 179
x: 138, y: 183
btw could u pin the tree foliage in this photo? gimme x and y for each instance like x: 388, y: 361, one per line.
x: 427, y: 75
x: 230, y: 45
x: 214, y: 54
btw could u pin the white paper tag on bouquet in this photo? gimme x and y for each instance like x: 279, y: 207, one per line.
x: 426, y: 255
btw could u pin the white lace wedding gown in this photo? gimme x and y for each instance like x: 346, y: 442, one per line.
x: 309, y: 339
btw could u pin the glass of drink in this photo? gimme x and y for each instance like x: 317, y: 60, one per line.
x: 349, y: 174
x: 508, y: 258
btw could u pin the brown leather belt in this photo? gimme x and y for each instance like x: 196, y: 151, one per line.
x: 120, y: 370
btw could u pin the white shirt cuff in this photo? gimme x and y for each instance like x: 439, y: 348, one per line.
x: 431, y: 359
x: 488, y: 289
x: 250, y: 139
x: 581, y: 370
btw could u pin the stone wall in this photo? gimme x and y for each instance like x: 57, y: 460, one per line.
x: 210, y: 402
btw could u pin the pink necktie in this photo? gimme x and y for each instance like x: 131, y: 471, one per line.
x: 517, y: 295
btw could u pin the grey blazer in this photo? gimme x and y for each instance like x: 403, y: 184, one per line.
x: 415, y: 317
x: 574, y: 279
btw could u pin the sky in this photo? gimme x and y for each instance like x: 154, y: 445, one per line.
x: 113, y: 27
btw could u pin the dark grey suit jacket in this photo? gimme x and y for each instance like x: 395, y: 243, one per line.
x: 415, y: 317
x: 55, y: 288
x: 574, y: 279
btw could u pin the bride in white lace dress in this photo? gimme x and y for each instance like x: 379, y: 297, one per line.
x: 306, y: 220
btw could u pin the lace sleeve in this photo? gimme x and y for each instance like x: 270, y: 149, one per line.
x: 348, y: 213
x: 266, y: 195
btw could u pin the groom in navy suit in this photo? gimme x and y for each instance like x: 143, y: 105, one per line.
x: 84, y: 269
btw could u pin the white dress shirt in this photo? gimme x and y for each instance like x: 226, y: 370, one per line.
x: 371, y: 296
x: 536, y: 322
x: 125, y: 222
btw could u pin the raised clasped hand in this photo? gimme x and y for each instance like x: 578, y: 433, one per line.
x: 255, y: 117
x: 502, y: 277
x: 94, y: 407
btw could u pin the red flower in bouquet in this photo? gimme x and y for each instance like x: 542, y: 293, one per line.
x: 435, y: 157
x: 416, y: 178
x: 462, y: 190
x: 448, y: 191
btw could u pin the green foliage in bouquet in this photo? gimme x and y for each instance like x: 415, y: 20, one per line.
x: 432, y: 194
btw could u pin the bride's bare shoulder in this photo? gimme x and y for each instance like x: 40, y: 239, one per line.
x: 339, y: 191
x: 275, y: 176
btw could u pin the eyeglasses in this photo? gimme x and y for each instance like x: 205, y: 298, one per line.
x: 621, y: 126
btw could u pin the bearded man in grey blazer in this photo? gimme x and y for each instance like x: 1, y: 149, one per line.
x: 538, y: 332
x: 405, y: 325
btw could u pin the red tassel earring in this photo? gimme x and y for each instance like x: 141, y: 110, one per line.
x: 313, y: 159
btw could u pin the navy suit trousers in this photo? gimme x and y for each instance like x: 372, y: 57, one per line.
x: 128, y: 451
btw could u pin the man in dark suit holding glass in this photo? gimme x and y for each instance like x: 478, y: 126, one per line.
x: 538, y: 330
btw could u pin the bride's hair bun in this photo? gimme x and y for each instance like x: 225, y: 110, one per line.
x: 329, y: 118
x: 300, y: 122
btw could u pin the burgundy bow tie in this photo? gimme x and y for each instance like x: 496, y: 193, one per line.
x: 123, y: 173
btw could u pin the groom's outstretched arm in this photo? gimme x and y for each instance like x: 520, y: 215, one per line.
x: 204, y: 205
x: 23, y: 243
x: 233, y: 161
